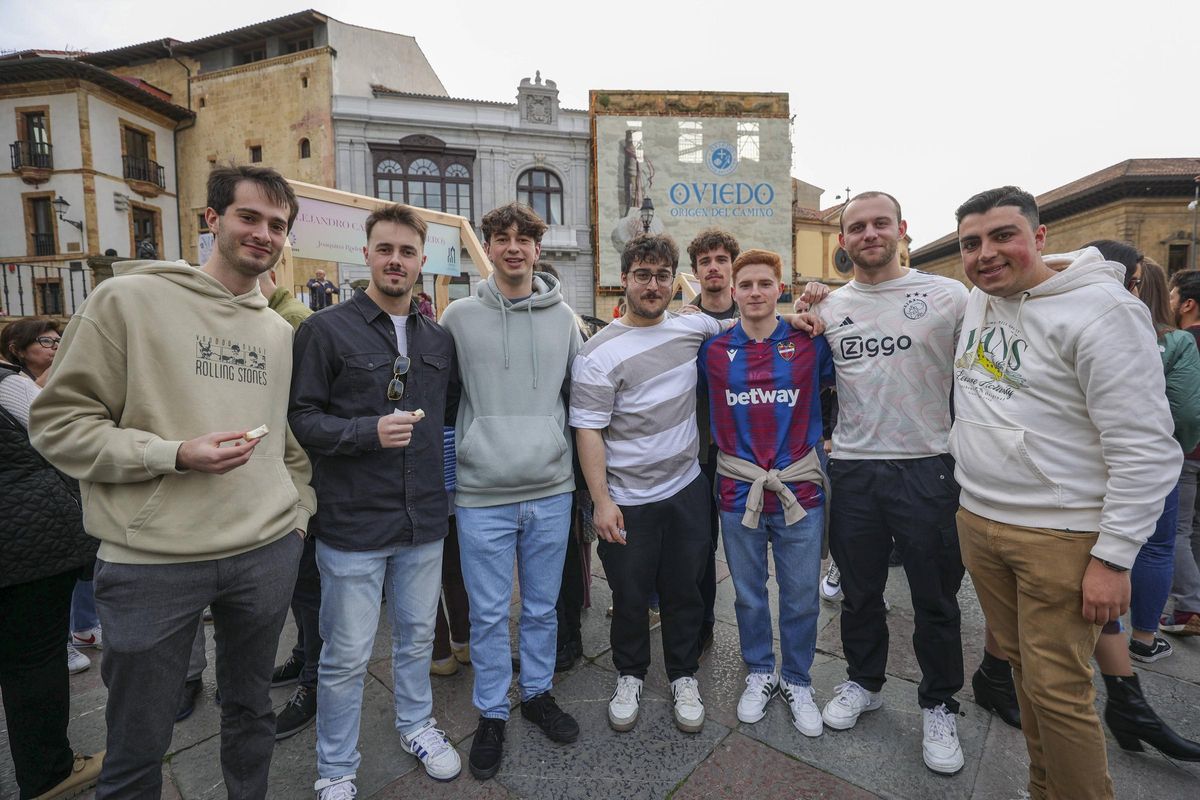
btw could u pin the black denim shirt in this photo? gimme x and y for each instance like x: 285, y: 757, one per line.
x: 369, y: 497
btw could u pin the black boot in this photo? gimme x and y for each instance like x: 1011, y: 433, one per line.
x: 994, y: 690
x: 1132, y: 721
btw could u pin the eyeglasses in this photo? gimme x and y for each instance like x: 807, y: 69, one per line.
x: 642, y: 277
x: 1135, y: 283
x: 48, y: 341
x: 396, y: 387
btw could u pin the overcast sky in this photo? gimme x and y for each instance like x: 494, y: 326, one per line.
x: 932, y: 101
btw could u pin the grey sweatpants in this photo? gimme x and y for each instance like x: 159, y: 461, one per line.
x: 150, y: 613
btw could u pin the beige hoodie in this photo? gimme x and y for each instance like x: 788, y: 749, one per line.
x: 161, y: 354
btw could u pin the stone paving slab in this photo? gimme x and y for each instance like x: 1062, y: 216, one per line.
x: 741, y: 767
x: 647, y: 762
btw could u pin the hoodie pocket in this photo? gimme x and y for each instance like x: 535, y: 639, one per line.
x: 993, y: 464
x: 513, y: 452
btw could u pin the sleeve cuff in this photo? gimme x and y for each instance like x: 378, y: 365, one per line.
x: 302, y: 517
x: 367, y: 434
x: 159, y: 457
x: 1116, y: 550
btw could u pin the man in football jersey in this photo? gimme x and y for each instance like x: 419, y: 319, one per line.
x: 764, y: 380
x: 892, y: 331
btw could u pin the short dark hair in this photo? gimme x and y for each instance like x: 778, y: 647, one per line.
x: 501, y: 219
x: 547, y: 267
x: 1003, y: 196
x: 400, y: 215
x: 1123, y: 253
x: 1187, y: 283
x: 223, y: 183
x: 711, y: 239
x: 864, y: 196
x: 650, y: 248
x: 21, y: 334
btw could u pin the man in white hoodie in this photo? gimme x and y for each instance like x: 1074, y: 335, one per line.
x: 1061, y: 480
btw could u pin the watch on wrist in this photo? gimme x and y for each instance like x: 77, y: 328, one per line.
x: 1112, y: 566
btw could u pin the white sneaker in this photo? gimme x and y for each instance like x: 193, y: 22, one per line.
x: 340, y: 788
x: 848, y: 702
x: 940, y: 747
x: 689, y: 708
x: 92, y: 637
x: 77, y: 662
x: 429, y: 744
x: 805, y: 714
x: 760, y: 687
x: 623, y: 707
x: 831, y: 584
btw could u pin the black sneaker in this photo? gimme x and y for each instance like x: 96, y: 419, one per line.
x: 567, y: 656
x: 187, y: 701
x: 1149, y: 653
x: 487, y: 748
x: 298, y: 714
x: 287, y: 673
x: 558, y: 725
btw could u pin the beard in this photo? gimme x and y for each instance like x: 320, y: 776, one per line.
x: 877, y: 259
x: 392, y: 291
x: 641, y: 309
x: 230, y: 250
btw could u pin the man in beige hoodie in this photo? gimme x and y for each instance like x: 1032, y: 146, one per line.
x: 161, y: 378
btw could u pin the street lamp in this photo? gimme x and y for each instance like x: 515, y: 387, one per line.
x: 60, y: 208
x: 647, y: 214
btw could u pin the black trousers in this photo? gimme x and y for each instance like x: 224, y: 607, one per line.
x: 453, y: 621
x: 708, y: 582
x: 34, y: 624
x: 306, y: 610
x: 666, y: 549
x: 571, y: 593
x: 912, y: 501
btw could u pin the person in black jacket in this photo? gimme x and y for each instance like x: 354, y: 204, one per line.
x: 43, y: 550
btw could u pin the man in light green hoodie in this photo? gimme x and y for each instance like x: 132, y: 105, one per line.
x: 161, y: 378
x: 515, y: 341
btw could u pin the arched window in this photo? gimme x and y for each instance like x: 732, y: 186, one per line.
x: 542, y: 191
x: 428, y: 175
x: 305, y: 148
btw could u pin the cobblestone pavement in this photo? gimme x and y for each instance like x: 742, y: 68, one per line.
x: 880, y: 757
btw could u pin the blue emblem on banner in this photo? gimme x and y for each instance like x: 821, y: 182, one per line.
x: 721, y: 158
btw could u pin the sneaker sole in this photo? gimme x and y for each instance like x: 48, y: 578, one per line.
x: 944, y: 770
x: 812, y: 733
x: 845, y: 725
x: 622, y: 726
x: 751, y: 720
x: 483, y: 774
x: 1151, y: 659
x: 281, y: 735
x: 689, y: 727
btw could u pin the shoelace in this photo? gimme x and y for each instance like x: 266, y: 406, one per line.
x: 687, y: 691
x: 431, y: 741
x: 941, y: 725
x: 759, y: 683
x: 488, y: 734
x: 800, y: 697
x: 298, y: 697
x: 850, y: 694
x: 628, y: 690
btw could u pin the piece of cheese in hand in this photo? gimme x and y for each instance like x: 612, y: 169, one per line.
x: 257, y: 433
x: 419, y: 414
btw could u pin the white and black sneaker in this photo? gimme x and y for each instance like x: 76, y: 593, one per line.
x: 760, y: 688
x: 429, y: 744
x: 689, y: 708
x: 831, y: 584
x: 339, y: 788
x: 806, y: 717
x: 623, y: 707
x: 1149, y: 653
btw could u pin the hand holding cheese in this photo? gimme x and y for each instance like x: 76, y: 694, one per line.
x: 257, y: 433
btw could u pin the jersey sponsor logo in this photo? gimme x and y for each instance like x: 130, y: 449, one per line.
x: 786, y: 350
x: 854, y: 347
x: 758, y: 397
x: 915, y: 306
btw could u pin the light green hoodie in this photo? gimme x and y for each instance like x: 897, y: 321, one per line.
x: 514, y: 359
x: 159, y: 355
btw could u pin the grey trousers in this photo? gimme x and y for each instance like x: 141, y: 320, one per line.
x: 150, y: 613
x: 1185, y: 586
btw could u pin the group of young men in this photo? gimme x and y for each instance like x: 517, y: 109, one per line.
x: 194, y: 511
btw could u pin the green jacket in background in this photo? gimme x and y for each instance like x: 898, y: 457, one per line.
x: 292, y: 310
x: 1181, y: 364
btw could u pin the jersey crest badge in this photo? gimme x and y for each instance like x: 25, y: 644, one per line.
x: 915, y: 306
x: 786, y: 350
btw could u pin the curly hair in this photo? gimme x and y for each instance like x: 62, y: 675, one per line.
x: 712, y: 239
x: 649, y: 248
x: 501, y: 219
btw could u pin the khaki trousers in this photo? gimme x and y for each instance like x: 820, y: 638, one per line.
x: 1029, y: 584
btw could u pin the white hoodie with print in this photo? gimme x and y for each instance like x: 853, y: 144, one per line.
x: 1061, y: 416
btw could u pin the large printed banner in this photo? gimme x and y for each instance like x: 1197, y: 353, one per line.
x: 331, y: 232
x: 732, y: 173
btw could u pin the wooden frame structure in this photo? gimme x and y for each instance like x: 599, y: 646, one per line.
x: 285, y: 269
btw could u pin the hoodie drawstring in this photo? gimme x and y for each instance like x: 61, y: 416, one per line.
x: 533, y: 345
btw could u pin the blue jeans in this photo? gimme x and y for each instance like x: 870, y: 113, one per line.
x: 1153, y: 569
x: 351, y: 587
x: 797, y: 551
x: 83, y: 607
x: 535, y: 531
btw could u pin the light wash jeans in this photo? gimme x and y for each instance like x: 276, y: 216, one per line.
x: 83, y: 607
x: 535, y: 531
x: 351, y: 588
x: 797, y: 552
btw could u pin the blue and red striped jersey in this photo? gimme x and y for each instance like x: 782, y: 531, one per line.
x: 765, y: 404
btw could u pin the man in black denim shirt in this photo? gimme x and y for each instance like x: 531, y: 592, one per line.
x: 361, y: 369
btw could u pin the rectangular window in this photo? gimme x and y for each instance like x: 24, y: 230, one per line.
x: 1178, y: 258
x: 48, y: 299
x: 41, y: 227
x: 298, y: 44
x: 35, y: 128
x: 137, y: 144
x: 256, y: 52
x: 255, y: 153
x: 747, y: 141
x: 691, y: 142
x: 33, y: 135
